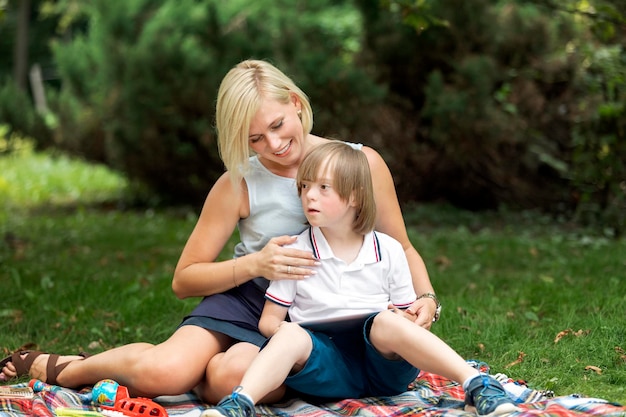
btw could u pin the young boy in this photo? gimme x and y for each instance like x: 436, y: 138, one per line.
x: 361, y: 271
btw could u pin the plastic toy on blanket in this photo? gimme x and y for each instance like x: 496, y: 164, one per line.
x: 113, y: 400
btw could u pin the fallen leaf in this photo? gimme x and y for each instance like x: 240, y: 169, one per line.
x: 94, y: 345
x: 564, y: 333
x: 520, y: 359
x: 560, y: 335
x: 593, y: 368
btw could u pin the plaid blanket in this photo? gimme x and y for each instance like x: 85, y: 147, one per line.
x: 428, y: 396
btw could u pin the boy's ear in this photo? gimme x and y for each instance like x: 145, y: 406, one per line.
x: 352, y: 199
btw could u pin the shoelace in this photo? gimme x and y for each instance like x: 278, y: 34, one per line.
x: 485, y: 397
x: 233, y: 402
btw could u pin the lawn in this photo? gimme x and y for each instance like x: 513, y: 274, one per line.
x: 536, y: 298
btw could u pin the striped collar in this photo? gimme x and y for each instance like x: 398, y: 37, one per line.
x: 370, y: 251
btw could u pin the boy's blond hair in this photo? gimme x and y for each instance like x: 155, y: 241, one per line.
x: 350, y: 171
x: 239, y: 98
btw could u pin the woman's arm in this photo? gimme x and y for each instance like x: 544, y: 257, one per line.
x: 389, y: 220
x: 197, y: 273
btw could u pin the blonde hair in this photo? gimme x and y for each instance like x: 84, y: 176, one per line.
x: 239, y: 98
x: 351, y: 176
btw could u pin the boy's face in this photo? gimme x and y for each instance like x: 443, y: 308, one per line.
x: 323, y: 207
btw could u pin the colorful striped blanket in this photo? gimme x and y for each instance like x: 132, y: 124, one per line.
x: 428, y: 396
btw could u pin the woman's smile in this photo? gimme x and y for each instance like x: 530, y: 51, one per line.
x: 284, y: 150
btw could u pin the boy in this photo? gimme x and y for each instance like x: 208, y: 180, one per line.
x: 361, y: 272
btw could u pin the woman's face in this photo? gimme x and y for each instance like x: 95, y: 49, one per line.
x: 276, y: 133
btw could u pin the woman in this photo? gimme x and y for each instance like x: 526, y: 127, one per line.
x: 260, y: 111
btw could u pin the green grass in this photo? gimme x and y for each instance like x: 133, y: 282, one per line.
x: 76, y: 273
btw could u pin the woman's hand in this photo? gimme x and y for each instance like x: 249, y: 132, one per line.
x: 276, y: 262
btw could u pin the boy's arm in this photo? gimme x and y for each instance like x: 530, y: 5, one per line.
x: 272, y: 317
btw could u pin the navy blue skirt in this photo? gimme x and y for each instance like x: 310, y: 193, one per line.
x: 234, y: 313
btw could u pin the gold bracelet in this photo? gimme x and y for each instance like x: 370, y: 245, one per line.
x: 234, y: 265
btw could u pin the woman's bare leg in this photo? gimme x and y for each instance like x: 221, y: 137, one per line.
x: 225, y: 371
x: 172, y: 367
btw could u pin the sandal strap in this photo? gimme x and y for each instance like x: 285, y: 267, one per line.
x: 52, y: 370
x: 22, y: 365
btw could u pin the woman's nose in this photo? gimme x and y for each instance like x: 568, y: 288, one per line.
x: 273, y: 141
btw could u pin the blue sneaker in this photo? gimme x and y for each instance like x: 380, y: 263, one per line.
x: 488, y: 397
x: 234, y: 405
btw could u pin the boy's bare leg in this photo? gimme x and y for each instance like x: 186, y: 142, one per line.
x: 394, y: 336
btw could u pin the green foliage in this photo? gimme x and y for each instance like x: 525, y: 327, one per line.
x: 59, y: 180
x: 139, y: 87
x: 415, y: 13
x: 598, y: 171
x: 498, y: 103
x: 511, y: 102
x: 18, y: 117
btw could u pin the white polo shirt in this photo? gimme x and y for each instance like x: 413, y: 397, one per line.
x: 377, y: 277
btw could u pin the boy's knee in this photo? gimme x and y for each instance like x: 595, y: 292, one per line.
x: 384, y: 325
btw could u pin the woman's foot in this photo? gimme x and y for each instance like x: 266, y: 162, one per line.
x: 43, y: 366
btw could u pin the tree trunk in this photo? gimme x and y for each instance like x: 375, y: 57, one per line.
x: 20, y: 53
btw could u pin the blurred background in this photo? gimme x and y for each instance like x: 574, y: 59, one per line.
x: 481, y: 104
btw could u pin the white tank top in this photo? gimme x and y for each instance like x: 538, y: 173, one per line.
x: 275, y: 210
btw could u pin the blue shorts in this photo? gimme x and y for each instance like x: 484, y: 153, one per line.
x: 346, y: 365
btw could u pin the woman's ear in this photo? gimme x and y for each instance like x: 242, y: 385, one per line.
x: 296, y: 101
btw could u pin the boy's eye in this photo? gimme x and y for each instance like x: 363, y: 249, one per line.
x: 325, y: 187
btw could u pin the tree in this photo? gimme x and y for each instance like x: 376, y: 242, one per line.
x: 138, y: 88
x: 20, y: 66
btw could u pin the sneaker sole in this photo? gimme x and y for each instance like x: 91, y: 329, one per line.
x: 211, y: 413
x: 501, y: 409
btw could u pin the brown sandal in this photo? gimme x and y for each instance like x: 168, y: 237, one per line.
x: 23, y: 365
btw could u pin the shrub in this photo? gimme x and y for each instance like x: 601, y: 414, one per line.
x: 138, y: 89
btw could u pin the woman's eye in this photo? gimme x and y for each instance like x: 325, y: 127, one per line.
x: 277, y: 125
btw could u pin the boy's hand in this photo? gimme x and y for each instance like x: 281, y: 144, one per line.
x: 407, y: 314
x: 423, y: 312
